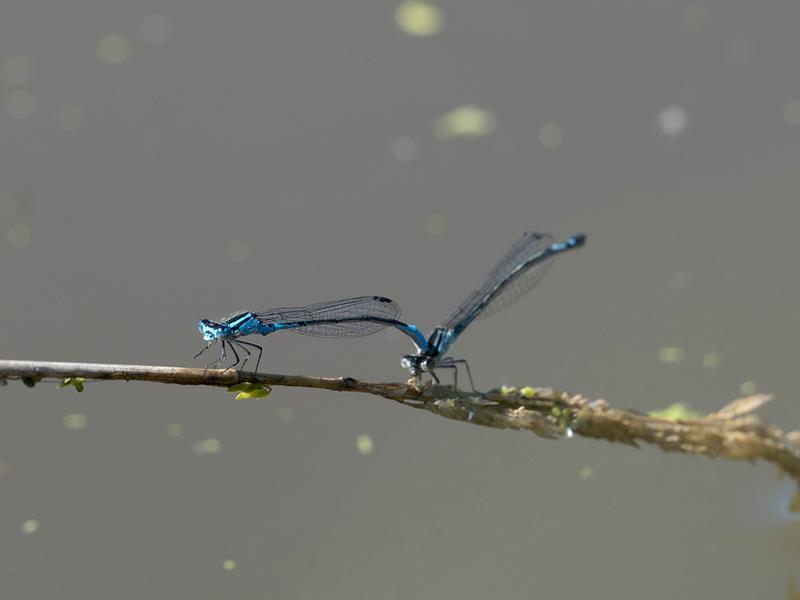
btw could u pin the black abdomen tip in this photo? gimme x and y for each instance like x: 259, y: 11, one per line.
x: 579, y: 239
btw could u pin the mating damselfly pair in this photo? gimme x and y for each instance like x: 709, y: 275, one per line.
x: 520, y: 269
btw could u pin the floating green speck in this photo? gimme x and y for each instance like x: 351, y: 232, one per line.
x: 207, y: 446
x: 696, y: 17
x: 113, y: 49
x: 791, y: 112
x: 436, y: 224
x: 75, y: 422
x: 229, y: 565
x: 465, y: 121
x: 364, y: 444
x: 676, y: 411
x: 551, y: 135
x: 671, y: 355
x: 17, y: 70
x: 19, y: 235
x: 174, y: 430
x: 418, y: 18
x: 30, y: 526
x: 747, y: 388
x: 712, y: 360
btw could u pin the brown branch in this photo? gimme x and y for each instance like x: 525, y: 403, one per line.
x: 733, y: 432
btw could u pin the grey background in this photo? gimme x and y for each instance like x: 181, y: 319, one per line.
x: 273, y: 124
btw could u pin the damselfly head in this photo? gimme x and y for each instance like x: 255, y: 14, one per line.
x: 211, y: 330
x: 416, y: 364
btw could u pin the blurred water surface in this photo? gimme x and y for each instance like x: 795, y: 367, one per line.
x: 169, y: 161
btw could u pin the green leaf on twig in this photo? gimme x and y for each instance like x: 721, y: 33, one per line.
x: 248, y: 390
x: 76, y: 382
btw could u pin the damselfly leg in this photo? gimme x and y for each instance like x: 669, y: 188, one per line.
x: 257, y: 347
x: 453, y: 363
x: 215, y: 363
x: 243, y: 349
x: 237, y: 361
x: 206, y: 347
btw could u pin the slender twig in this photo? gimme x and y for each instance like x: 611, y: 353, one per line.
x: 733, y: 432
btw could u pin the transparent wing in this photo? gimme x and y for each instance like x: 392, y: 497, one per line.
x: 517, y: 272
x: 347, y: 318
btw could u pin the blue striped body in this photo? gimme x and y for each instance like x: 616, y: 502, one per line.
x: 238, y: 326
x: 352, y: 317
x: 518, y: 272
